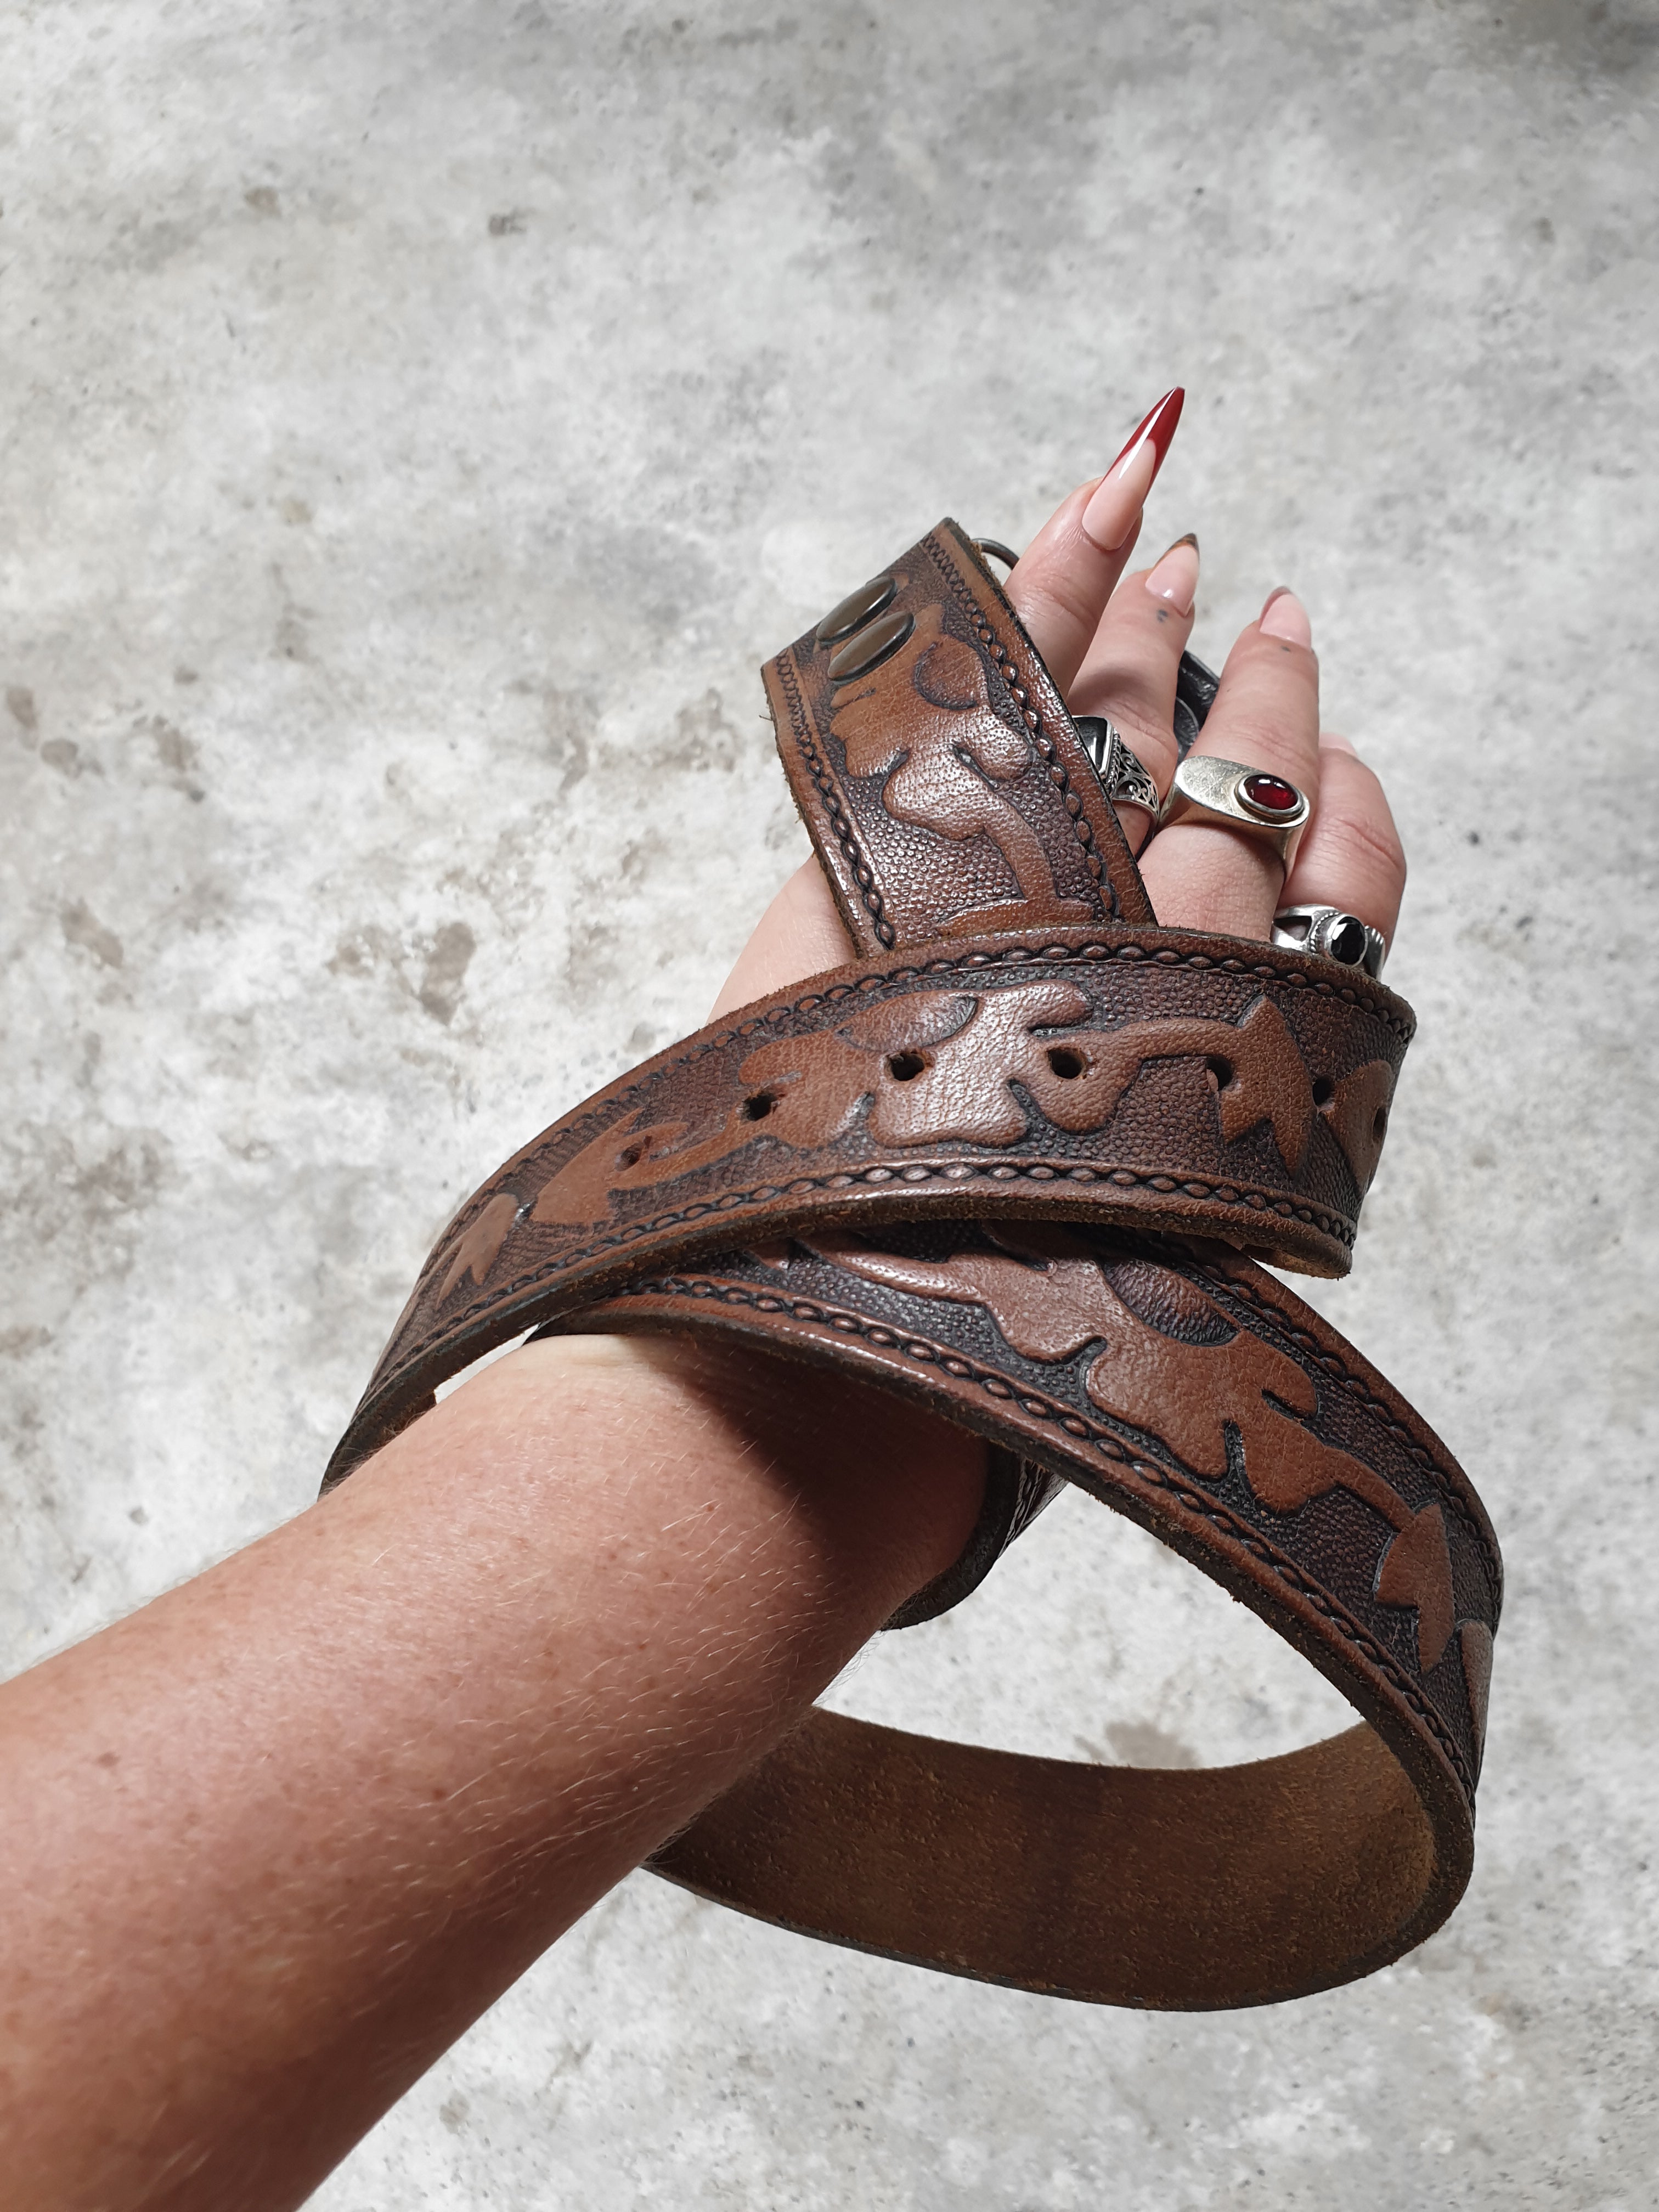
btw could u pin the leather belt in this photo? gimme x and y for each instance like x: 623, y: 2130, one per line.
x: 1018, y: 1161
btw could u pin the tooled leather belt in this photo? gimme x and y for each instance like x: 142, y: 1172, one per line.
x: 1017, y: 1161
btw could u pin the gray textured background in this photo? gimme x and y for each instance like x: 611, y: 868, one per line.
x: 418, y: 422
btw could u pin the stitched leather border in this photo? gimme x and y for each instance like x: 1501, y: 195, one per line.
x: 571, y: 1215
x: 1069, y: 1433
x: 947, y: 789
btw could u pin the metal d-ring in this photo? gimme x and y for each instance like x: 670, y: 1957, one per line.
x: 998, y: 550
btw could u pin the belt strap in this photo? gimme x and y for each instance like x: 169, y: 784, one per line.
x: 1013, y: 1162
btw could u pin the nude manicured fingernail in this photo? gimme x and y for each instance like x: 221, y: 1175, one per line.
x: 1174, y: 578
x: 1119, y: 497
x: 1285, y: 616
x: 1330, y: 742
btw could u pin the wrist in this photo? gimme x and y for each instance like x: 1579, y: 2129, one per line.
x: 880, y: 1495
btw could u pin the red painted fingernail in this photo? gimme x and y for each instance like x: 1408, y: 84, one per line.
x: 1110, y: 516
x: 1156, y: 427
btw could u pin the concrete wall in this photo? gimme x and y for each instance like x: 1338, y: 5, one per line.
x: 419, y: 420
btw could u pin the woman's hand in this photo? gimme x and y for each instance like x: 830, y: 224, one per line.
x: 270, y: 1845
x: 1113, y: 644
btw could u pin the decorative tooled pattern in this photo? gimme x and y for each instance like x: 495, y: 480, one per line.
x: 1042, y: 1288
x: 981, y: 1170
x: 1159, y: 1468
x: 1375, y: 1000
x: 941, y: 776
x: 927, y: 725
x: 1021, y: 692
x: 823, y: 781
x: 1236, y: 1282
x: 471, y: 1256
x: 1051, y: 1074
x: 475, y: 1251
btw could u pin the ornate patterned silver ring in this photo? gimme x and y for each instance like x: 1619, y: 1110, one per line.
x: 1340, y: 937
x: 1126, y: 781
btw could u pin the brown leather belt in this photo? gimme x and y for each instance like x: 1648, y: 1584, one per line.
x: 1017, y: 1161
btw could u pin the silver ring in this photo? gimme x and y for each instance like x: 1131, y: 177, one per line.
x: 1340, y: 937
x: 1236, y: 797
x: 1123, y: 776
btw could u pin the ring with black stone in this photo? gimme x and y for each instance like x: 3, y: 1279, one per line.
x: 1340, y: 937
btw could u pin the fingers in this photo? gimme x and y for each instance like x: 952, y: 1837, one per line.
x: 800, y: 933
x: 1114, y: 644
x: 1350, y: 855
x: 1062, y: 581
x: 1128, y: 673
x: 1199, y: 875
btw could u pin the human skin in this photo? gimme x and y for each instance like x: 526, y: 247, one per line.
x: 268, y: 1845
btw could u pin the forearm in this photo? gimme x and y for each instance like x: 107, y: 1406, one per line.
x: 268, y: 1845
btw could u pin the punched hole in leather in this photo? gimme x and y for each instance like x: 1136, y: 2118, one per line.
x: 1011, y: 1161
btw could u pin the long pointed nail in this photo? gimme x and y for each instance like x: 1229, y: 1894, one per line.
x: 1112, y: 513
x: 1174, y: 577
x: 1284, y: 616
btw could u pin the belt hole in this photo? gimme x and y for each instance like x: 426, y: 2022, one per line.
x: 1222, y: 1072
x: 758, y: 1106
x: 905, y: 1067
x: 1324, y: 1090
x: 1068, y: 1063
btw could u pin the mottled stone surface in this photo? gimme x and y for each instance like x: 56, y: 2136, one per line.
x: 419, y: 420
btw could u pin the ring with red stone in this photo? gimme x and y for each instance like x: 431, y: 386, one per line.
x: 1233, y: 796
